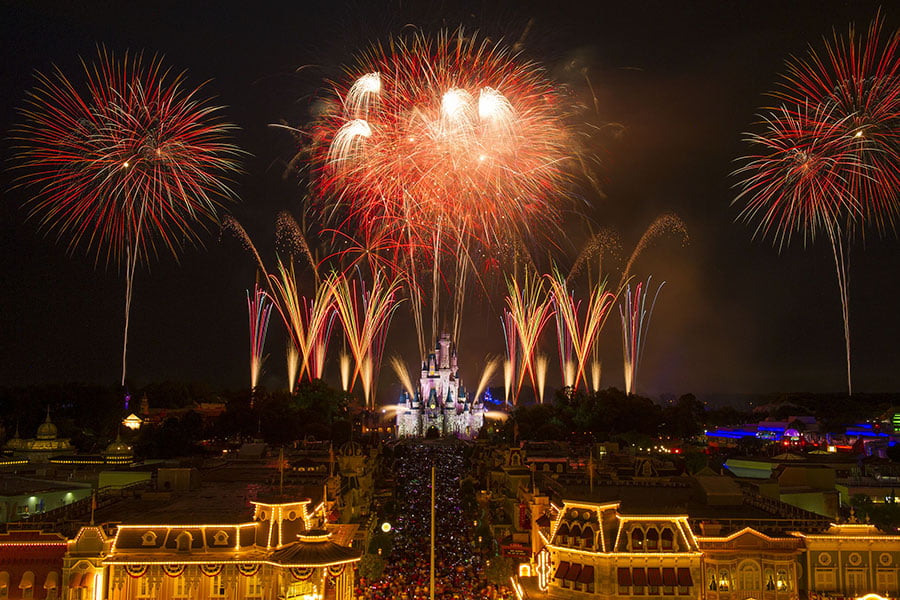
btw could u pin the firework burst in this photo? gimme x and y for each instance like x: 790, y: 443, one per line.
x: 454, y: 128
x: 828, y: 161
x: 132, y: 161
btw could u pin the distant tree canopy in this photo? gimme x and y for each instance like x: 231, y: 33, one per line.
x: 604, y: 415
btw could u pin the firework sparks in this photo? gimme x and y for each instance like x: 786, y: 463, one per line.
x: 454, y: 128
x: 635, y: 323
x: 260, y: 309
x: 403, y: 374
x: 541, y: 362
x: 133, y: 162
x: 665, y: 224
x: 490, y: 366
x: 529, y: 310
x: 580, y: 334
x: 293, y: 365
x: 828, y: 161
x: 441, y: 145
x: 365, y: 316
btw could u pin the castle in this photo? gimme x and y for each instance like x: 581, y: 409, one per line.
x: 440, y: 405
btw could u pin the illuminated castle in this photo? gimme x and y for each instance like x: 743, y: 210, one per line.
x: 441, y: 405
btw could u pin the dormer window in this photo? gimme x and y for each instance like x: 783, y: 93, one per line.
x: 588, y: 536
x: 667, y: 539
x: 576, y: 535
x: 148, y: 539
x: 183, y: 541
x: 653, y: 539
x: 220, y: 538
x: 637, y: 540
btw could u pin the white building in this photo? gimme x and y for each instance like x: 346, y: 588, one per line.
x: 440, y: 405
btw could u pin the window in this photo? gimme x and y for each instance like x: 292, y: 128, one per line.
x: 782, y: 581
x: 588, y: 536
x: 770, y: 580
x: 254, y: 587
x: 667, y: 539
x: 652, y: 539
x: 856, y: 580
x: 576, y: 535
x: 683, y: 590
x: 825, y: 579
x: 724, y: 580
x: 748, y: 577
x: 143, y: 588
x: 887, y: 582
x: 637, y: 539
x: 183, y: 541
x: 217, y: 587
x: 713, y: 586
x: 179, y: 587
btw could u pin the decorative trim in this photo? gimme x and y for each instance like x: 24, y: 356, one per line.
x: 173, y: 570
x: 211, y: 570
x: 301, y: 573
x: 136, y: 570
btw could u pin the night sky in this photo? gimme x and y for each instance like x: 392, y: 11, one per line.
x: 683, y: 79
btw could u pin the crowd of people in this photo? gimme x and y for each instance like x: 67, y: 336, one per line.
x: 458, y: 565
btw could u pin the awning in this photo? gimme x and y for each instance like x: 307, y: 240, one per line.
x: 624, y: 576
x: 654, y: 577
x: 639, y: 576
x: 4, y: 579
x: 684, y: 577
x: 27, y: 580
x: 587, y: 575
x: 561, y: 570
x: 52, y: 581
x: 574, y: 572
x: 563, y: 530
x: 74, y: 580
x: 86, y: 579
x: 668, y: 574
x: 587, y: 534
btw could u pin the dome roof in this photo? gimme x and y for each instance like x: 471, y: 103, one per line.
x: 47, y: 430
x: 118, y: 447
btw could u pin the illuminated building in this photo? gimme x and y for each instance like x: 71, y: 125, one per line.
x: 850, y: 560
x: 284, y: 552
x: 31, y: 565
x: 440, y: 405
x: 592, y: 550
x: 748, y: 563
x: 40, y: 449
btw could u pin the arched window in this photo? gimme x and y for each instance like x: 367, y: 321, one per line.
x: 770, y: 580
x: 724, y: 580
x: 576, y: 535
x: 183, y: 541
x: 667, y: 539
x: 748, y: 576
x: 653, y: 539
x: 587, y: 535
x: 637, y: 539
x: 562, y: 534
x: 782, y: 582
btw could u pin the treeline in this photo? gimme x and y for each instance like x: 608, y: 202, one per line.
x: 609, y: 414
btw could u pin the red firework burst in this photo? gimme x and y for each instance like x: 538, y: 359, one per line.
x: 133, y: 161
x: 454, y: 135
x: 797, y: 181
x: 856, y: 82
